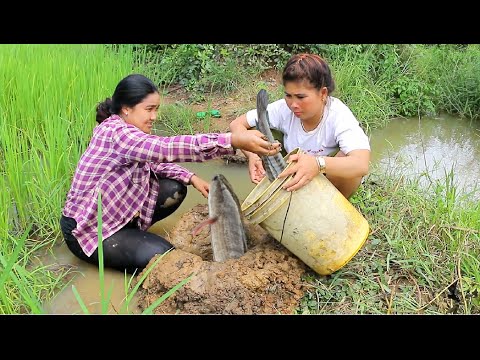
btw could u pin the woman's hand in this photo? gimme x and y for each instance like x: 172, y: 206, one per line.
x: 200, y: 184
x: 255, y: 168
x: 254, y: 141
x: 305, y: 170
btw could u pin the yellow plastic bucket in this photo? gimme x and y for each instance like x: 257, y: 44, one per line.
x: 316, y: 223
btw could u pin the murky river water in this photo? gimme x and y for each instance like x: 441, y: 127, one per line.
x: 428, y: 146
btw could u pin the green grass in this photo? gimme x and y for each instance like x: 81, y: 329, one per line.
x: 421, y: 256
x: 176, y: 119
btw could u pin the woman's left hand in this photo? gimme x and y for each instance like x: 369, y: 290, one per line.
x: 200, y: 184
x: 305, y: 170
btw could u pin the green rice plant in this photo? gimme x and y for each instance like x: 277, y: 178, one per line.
x: 48, y: 99
x: 16, y: 158
x: 23, y: 286
x: 47, y: 107
x: 13, y: 274
x: 5, y: 209
x: 48, y: 102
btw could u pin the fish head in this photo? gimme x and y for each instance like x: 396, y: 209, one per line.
x: 220, y: 191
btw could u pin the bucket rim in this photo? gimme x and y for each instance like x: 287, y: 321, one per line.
x: 274, y: 202
x: 270, y: 189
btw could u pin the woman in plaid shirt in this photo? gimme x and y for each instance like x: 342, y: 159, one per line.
x: 135, y: 174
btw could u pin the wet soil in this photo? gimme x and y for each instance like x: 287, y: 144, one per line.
x: 267, y: 279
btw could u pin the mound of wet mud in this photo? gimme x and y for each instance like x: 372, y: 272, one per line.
x: 265, y: 280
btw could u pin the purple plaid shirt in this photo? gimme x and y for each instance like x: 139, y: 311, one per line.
x: 117, y: 163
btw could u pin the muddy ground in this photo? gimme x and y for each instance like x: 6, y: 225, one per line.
x: 267, y: 279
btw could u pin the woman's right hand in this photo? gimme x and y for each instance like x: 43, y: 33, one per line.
x: 305, y: 168
x: 201, y: 185
x: 254, y: 141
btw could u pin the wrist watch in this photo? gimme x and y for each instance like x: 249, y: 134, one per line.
x: 321, y: 164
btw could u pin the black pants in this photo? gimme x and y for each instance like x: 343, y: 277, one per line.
x: 130, y: 248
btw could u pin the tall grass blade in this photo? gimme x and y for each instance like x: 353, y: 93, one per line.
x: 80, y: 301
x: 149, y: 310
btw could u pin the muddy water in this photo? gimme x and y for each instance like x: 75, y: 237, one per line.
x: 420, y: 149
x: 86, y: 280
x: 429, y: 149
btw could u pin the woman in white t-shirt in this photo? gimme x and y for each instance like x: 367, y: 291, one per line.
x: 316, y: 122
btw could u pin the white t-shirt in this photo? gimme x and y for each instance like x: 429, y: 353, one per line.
x: 339, y: 129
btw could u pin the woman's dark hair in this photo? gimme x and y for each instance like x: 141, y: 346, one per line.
x: 309, y: 67
x: 130, y: 91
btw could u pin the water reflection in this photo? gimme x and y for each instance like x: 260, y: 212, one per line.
x: 430, y: 148
x: 87, y: 282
